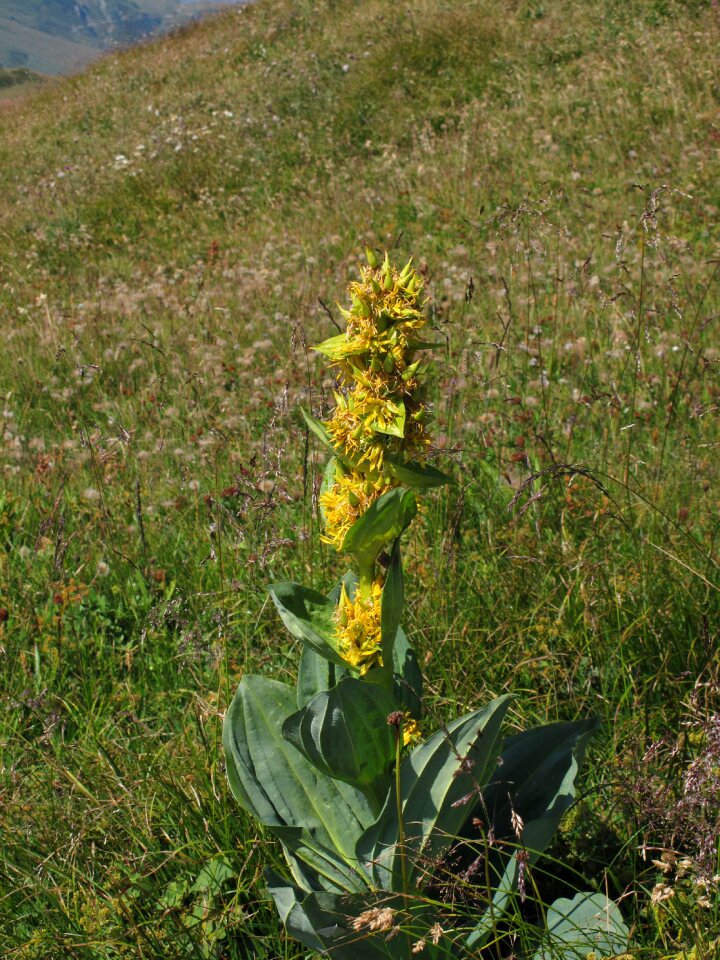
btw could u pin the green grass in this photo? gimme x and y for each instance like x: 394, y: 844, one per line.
x: 554, y: 169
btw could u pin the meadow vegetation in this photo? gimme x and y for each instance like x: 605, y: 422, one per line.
x: 176, y: 225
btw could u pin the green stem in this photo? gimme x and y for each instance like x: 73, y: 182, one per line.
x: 398, y: 801
x: 366, y: 577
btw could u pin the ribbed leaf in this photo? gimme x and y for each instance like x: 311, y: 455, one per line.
x: 344, y: 733
x: 417, y: 476
x: 589, y: 924
x: 536, y: 780
x: 435, y: 779
x: 408, y: 678
x: 380, y: 524
x: 308, y: 615
x: 321, y: 921
x: 392, y: 603
x: 316, y: 673
x: 318, y: 819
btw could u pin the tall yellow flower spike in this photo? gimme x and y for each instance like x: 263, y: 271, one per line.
x: 380, y: 417
x: 381, y: 411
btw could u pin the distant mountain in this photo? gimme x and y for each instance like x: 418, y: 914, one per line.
x: 60, y: 36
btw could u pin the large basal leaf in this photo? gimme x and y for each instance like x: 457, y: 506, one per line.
x: 380, y: 524
x: 344, y: 733
x: 587, y: 925
x: 417, y: 476
x: 319, y: 820
x: 308, y: 615
x: 438, y: 783
x: 536, y: 780
x: 316, y: 673
x: 323, y: 922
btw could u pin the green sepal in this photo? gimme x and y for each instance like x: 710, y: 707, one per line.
x: 380, y: 524
x: 339, y: 347
x: 438, y: 781
x: 415, y: 475
x: 344, y: 733
x: 397, y: 427
x: 308, y: 615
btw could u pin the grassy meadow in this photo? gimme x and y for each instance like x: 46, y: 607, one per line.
x: 176, y: 226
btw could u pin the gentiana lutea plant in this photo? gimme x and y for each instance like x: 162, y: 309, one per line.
x: 373, y: 814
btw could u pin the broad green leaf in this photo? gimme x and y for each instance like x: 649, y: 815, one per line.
x: 417, y: 476
x: 536, y: 780
x: 316, y: 673
x: 213, y: 875
x: 308, y: 615
x: 589, y: 925
x: 381, y: 523
x: 425, y: 345
x: 408, y: 678
x: 438, y: 781
x: 317, y: 819
x: 344, y: 733
x: 391, y: 606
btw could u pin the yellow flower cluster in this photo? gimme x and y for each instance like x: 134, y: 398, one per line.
x: 345, y: 501
x: 359, y: 637
x: 380, y: 412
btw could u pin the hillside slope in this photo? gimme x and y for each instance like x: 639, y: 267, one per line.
x: 61, y: 36
x: 176, y: 225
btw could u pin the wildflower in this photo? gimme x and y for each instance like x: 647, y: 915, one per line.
x: 411, y: 731
x: 359, y: 638
x: 381, y: 410
x: 345, y: 502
